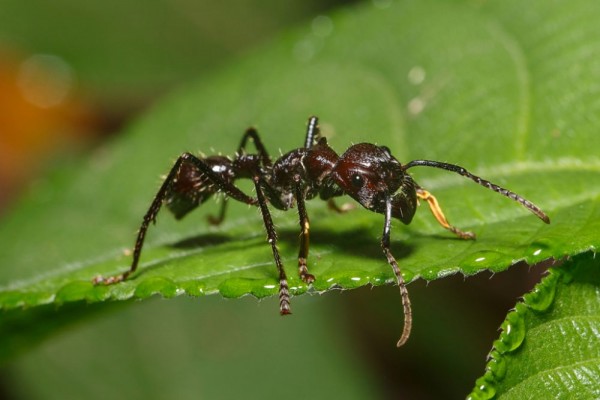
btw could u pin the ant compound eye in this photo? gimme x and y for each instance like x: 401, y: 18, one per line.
x: 357, y: 180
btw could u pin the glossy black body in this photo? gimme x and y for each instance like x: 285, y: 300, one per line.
x: 366, y: 172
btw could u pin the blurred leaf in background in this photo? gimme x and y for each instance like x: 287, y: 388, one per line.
x: 72, y: 72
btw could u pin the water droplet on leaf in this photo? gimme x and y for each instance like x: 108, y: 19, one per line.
x: 513, y: 332
x: 542, y: 295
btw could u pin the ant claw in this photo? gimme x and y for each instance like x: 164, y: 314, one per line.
x: 214, y: 221
x: 100, y: 280
x: 468, y: 235
x: 303, y: 271
x: 307, y: 278
x: 462, y: 234
x: 284, y: 309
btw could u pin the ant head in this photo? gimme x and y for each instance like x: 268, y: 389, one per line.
x: 369, y: 174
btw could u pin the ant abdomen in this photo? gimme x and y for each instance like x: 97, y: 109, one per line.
x: 191, y: 187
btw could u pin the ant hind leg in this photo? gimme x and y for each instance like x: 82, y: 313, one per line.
x: 165, y: 190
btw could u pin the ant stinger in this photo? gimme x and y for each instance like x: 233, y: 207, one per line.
x: 366, y: 172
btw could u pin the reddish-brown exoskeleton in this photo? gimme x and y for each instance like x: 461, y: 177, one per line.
x: 366, y: 172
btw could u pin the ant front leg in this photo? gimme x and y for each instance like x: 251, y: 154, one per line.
x: 436, y: 210
x: 304, y: 236
x: 385, y: 245
x: 150, y: 216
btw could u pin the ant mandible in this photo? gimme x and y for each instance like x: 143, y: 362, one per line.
x: 366, y: 172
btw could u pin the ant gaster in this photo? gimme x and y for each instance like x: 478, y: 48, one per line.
x: 366, y: 172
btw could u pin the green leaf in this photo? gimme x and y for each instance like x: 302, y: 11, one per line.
x: 190, y: 349
x: 507, y: 93
x: 548, y: 347
x: 168, y: 43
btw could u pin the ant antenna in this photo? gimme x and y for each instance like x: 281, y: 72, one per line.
x: 462, y: 171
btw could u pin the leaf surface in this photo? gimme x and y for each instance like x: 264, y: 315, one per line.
x: 510, y: 94
x: 549, y: 344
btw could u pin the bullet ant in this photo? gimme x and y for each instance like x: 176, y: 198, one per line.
x: 366, y: 172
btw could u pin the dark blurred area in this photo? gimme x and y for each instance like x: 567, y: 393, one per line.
x: 72, y: 73
x: 455, y: 320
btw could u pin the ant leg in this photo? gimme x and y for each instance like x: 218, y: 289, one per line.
x: 250, y: 133
x: 439, y: 215
x: 344, y: 208
x: 221, y: 216
x: 385, y: 245
x: 284, y: 294
x: 262, y: 151
x: 156, y: 204
x: 304, y: 237
x: 312, y: 132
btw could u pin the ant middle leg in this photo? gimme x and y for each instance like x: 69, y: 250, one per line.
x: 304, y: 237
x: 436, y: 210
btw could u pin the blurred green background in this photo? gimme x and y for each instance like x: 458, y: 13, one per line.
x: 109, y: 61
x: 73, y: 72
